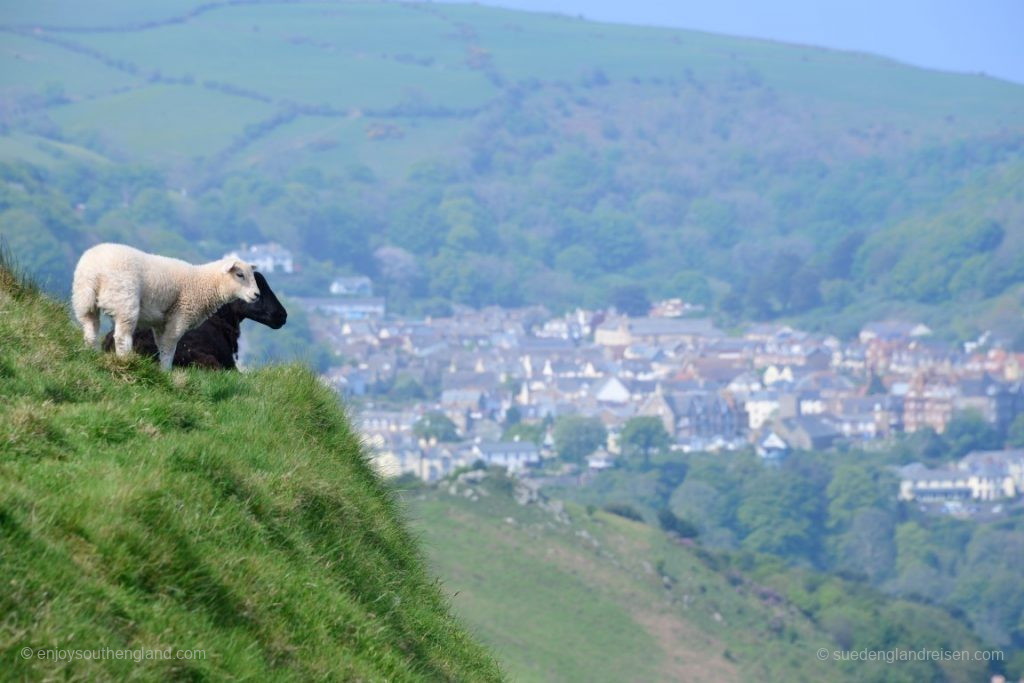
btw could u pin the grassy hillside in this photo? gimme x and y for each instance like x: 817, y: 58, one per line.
x: 588, y: 595
x: 522, y: 158
x: 217, y: 511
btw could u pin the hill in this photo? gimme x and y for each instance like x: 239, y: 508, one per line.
x: 465, y: 154
x: 227, y: 513
x: 564, y: 592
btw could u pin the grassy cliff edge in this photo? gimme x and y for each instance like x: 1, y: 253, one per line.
x: 224, y: 512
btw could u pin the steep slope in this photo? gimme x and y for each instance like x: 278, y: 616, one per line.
x: 572, y: 593
x: 229, y: 513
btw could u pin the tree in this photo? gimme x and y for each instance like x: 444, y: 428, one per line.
x: 852, y: 488
x: 781, y: 514
x: 867, y: 544
x: 406, y: 388
x: 524, y: 432
x: 676, y: 525
x: 631, y: 300
x: 968, y: 431
x: 643, y: 435
x: 513, y: 416
x: 1015, y: 436
x: 875, y: 386
x: 692, y: 287
x: 435, y: 425
x: 924, y: 445
x: 577, y: 437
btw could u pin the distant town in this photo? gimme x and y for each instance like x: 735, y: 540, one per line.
x: 771, y: 388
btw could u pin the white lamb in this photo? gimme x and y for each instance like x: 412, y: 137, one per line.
x: 143, y: 290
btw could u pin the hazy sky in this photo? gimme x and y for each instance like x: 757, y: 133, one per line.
x: 954, y: 35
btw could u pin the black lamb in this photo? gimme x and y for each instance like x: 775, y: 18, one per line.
x: 214, y: 344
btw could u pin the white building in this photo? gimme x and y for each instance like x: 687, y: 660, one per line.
x: 761, y: 406
x: 266, y: 258
x: 358, y: 285
x: 984, y: 483
x: 512, y: 455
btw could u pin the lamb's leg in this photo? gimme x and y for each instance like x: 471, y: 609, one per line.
x: 90, y: 328
x: 83, y: 303
x: 124, y: 328
x: 167, y: 341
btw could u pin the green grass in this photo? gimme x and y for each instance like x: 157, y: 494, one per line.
x: 520, y: 601
x: 213, y: 119
x: 233, y: 513
x: 101, y: 12
x: 348, y: 55
x: 555, y: 47
x: 596, y: 597
x: 29, y: 66
x: 557, y: 607
x: 43, y: 152
x: 334, y: 144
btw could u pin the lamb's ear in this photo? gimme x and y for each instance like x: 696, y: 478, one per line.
x: 230, y: 266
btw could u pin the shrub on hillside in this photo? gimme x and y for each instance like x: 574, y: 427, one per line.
x: 624, y: 510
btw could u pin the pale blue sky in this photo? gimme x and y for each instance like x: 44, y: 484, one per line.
x: 954, y: 35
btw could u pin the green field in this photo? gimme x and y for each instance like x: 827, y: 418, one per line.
x: 230, y: 513
x: 30, y: 67
x: 375, y: 56
x: 213, y: 118
x: 591, y: 596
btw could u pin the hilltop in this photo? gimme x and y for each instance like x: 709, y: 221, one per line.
x: 224, y: 512
x: 509, y: 157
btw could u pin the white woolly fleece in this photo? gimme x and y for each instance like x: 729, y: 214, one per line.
x: 148, y: 291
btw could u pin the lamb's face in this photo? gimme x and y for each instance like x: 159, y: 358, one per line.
x: 241, y: 281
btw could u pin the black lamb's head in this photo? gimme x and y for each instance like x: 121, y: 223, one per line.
x: 266, y: 310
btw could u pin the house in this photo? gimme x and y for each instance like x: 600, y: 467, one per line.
x: 627, y: 331
x: 440, y: 460
x: 999, y: 403
x: 462, y: 406
x: 772, y: 446
x: 892, y: 330
x: 600, y: 460
x: 673, y: 308
x: 660, y: 406
x: 512, y: 455
x: 976, y: 482
x: 760, y: 406
x: 266, y: 258
x: 921, y: 483
x: 774, y: 374
x: 358, y: 285
x: 1009, y: 461
x: 392, y: 455
x: 927, y: 403
x: 348, y: 381
x: 386, y: 421
x: 346, y: 309
x: 695, y: 415
x: 744, y: 384
x: 884, y: 410
x: 613, y: 391
x: 808, y: 432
